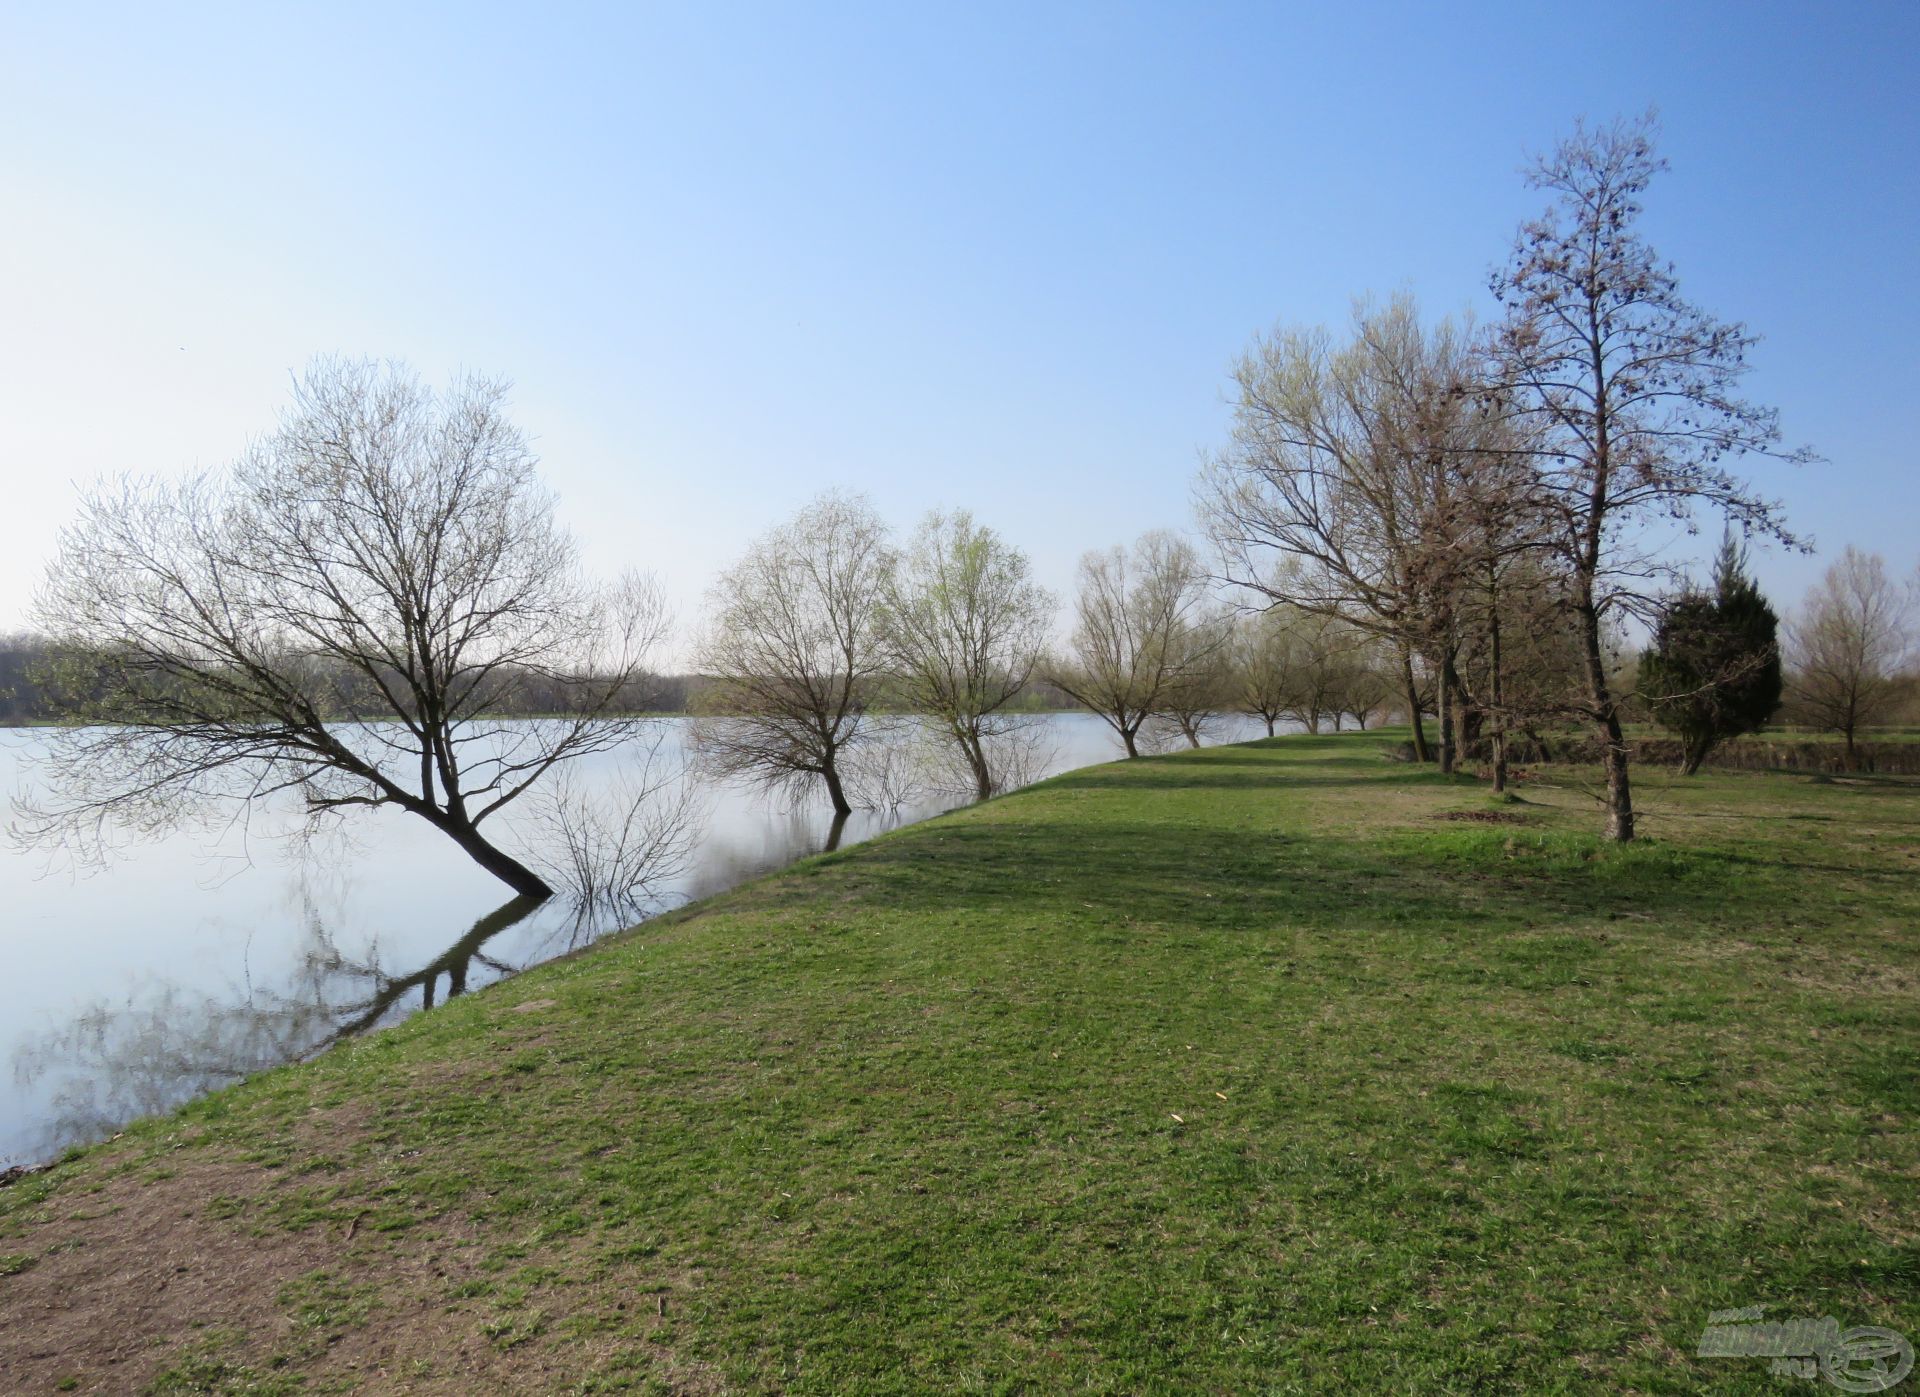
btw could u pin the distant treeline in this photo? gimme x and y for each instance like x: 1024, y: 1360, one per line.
x: 35, y: 688
x: 23, y: 699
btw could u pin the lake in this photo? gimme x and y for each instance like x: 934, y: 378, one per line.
x: 193, y: 960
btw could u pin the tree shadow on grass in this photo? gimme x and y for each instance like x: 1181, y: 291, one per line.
x: 1238, y: 776
x: 1252, y: 880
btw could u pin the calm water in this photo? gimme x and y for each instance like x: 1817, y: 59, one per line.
x: 191, y: 961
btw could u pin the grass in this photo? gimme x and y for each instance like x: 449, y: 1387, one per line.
x: 1795, y: 732
x: 1234, y: 1071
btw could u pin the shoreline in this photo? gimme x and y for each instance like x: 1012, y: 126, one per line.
x: 1281, y: 1036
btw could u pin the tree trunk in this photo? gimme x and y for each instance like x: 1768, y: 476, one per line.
x: 1269, y: 727
x: 1420, y: 752
x: 1126, y: 736
x: 501, y: 865
x: 1497, y: 685
x: 1607, y: 721
x: 1456, y: 721
x: 1466, y: 718
x: 1619, y: 790
x: 977, y: 761
x: 838, y: 796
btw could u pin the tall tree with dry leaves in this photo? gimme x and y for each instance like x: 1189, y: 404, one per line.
x: 1629, y: 395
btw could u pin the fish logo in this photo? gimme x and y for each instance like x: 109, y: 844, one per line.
x: 1866, y: 1358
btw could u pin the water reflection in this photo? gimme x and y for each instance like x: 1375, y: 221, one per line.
x: 166, y: 1042
x: 455, y: 963
x: 223, y: 977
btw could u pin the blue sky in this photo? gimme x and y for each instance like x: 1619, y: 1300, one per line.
x: 997, y: 256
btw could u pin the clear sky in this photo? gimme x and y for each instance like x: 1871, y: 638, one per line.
x: 988, y: 255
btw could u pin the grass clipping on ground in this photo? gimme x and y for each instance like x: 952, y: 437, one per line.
x: 1239, y: 1070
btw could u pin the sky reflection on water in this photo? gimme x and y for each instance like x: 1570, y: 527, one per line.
x: 202, y: 957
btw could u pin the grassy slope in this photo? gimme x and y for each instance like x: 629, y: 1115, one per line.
x: 1231, y: 1071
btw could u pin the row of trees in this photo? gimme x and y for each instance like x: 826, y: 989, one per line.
x: 1455, y: 515
x: 361, y: 611
x: 1156, y: 654
x: 1479, y: 499
x: 824, y: 623
x: 38, y: 679
x: 823, y: 614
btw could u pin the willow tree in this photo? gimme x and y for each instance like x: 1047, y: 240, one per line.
x: 1261, y: 666
x: 1142, y: 630
x: 1336, y: 492
x: 966, y: 625
x: 354, y: 613
x: 1191, y: 708
x: 1629, y: 391
x: 795, y: 645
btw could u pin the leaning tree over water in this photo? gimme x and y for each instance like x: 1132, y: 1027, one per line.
x: 352, y: 613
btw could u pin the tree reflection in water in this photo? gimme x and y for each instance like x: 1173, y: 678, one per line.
x: 164, y: 1044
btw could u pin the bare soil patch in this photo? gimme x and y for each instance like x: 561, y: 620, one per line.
x: 125, y: 1275
x: 167, y: 1278
x: 1482, y: 817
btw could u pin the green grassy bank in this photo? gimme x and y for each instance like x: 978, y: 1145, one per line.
x: 1262, y: 1069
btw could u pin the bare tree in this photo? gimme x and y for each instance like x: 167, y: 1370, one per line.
x: 1629, y: 391
x: 794, y: 645
x: 1341, y: 465
x: 1192, y: 708
x: 966, y: 626
x: 899, y: 764
x: 1323, y: 655
x: 1141, y: 630
x: 350, y: 613
x: 1262, y: 665
x: 1848, y: 646
x: 615, y: 845
x: 1364, y: 683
